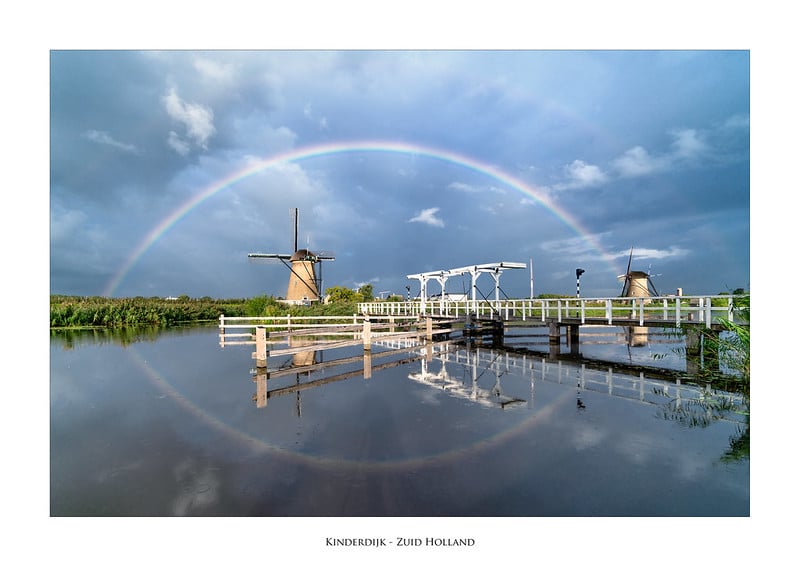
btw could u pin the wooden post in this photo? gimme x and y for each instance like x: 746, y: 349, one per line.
x: 367, y: 334
x: 261, y: 387
x: 693, y: 351
x: 367, y: 364
x: 262, y: 353
x: 429, y: 328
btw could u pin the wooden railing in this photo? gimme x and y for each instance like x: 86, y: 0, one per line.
x: 675, y: 311
x: 314, y: 333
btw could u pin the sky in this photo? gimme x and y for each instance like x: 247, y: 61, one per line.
x: 168, y: 167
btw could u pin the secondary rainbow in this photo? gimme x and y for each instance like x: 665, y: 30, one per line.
x: 309, y: 152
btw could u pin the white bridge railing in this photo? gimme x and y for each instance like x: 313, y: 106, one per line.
x: 673, y: 310
x: 297, y: 326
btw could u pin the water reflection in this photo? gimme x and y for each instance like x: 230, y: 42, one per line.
x: 172, y: 426
x: 468, y: 390
x: 636, y: 336
x: 677, y: 396
x: 68, y: 339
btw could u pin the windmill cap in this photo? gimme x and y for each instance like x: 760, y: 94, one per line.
x: 302, y: 254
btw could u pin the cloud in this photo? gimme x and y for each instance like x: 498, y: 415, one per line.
x: 215, y: 71
x: 104, y: 138
x: 652, y: 253
x: 428, y: 216
x: 196, y: 118
x: 636, y: 161
x: 369, y: 281
x: 578, y: 175
x: 578, y: 247
x: 463, y: 187
x: 737, y: 122
x: 581, y: 174
x: 687, y: 144
x: 177, y: 144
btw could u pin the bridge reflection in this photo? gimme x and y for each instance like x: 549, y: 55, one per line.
x: 502, y: 378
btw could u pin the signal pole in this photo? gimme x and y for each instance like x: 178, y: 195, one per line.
x: 578, y: 273
x: 531, y: 260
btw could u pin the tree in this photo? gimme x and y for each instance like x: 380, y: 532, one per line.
x: 366, y: 292
x: 339, y: 294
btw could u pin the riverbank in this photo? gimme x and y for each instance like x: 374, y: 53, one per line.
x: 87, y: 312
x: 108, y: 312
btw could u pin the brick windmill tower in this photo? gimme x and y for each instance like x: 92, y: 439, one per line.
x: 305, y: 285
x: 636, y: 283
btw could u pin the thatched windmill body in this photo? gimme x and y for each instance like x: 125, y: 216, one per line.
x: 305, y: 281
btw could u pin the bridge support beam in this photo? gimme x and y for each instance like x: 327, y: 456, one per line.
x: 498, y: 332
x: 702, y: 350
x: 573, y: 338
x: 555, y: 333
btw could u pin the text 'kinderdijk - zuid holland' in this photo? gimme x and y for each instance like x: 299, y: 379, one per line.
x: 399, y: 542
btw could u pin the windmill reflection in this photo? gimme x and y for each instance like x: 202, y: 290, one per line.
x: 359, y: 365
x: 636, y: 336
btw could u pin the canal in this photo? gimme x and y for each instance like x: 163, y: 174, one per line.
x: 167, y: 423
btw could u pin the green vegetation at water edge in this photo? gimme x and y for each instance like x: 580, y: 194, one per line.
x: 69, y: 311
x: 79, y: 311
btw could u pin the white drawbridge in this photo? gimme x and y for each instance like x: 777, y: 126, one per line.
x: 494, y: 269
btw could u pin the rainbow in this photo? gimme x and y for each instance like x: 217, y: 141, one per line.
x: 332, y: 149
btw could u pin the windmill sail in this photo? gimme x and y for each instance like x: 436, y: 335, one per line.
x: 304, y: 284
x: 626, y: 277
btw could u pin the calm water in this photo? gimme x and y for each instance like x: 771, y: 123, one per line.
x: 170, y: 424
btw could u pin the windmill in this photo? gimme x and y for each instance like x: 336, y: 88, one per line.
x: 304, y: 283
x: 636, y: 283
